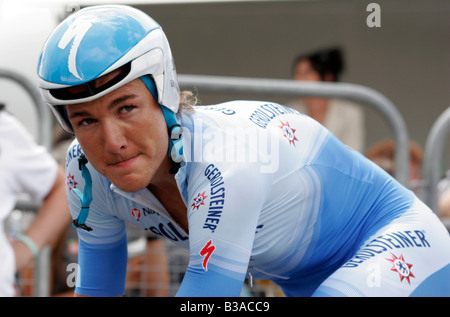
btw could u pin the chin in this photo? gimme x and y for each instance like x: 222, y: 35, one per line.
x: 131, y: 186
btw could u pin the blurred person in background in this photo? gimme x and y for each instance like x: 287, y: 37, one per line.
x: 343, y: 118
x: 27, y: 168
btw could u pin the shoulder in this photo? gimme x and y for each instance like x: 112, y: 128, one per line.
x: 236, y: 107
x: 13, y: 129
x: 74, y: 178
x: 242, y: 113
x: 19, y: 145
x: 7, y: 118
x: 74, y: 175
x: 74, y: 151
x: 102, y: 217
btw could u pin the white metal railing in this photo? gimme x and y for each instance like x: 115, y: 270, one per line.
x: 433, y: 157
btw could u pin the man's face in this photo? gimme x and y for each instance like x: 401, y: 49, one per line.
x: 123, y: 135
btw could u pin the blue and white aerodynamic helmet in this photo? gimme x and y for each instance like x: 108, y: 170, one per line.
x: 96, y: 41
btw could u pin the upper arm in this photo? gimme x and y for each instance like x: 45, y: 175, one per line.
x: 223, y: 210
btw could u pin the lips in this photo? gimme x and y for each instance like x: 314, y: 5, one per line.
x: 120, y: 163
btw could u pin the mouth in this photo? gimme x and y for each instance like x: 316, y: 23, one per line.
x: 122, y: 163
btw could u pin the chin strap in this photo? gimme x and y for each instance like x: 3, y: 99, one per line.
x: 85, y: 197
x: 174, y: 128
x: 175, y: 144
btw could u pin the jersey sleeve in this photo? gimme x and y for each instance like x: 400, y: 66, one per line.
x: 223, y: 210
x: 102, y: 256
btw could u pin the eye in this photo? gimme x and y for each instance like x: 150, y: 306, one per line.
x: 126, y: 109
x: 86, y: 122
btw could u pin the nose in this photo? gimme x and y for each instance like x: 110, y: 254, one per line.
x: 113, y: 137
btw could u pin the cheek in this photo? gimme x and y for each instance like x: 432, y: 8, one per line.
x: 88, y: 147
x: 154, y: 127
x: 160, y: 141
x: 91, y: 145
x: 150, y: 138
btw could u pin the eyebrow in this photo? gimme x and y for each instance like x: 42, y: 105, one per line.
x: 113, y: 104
x: 121, y: 100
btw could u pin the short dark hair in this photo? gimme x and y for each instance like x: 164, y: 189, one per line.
x: 324, y: 61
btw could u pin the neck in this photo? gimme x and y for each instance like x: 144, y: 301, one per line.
x: 164, y: 187
x: 163, y: 178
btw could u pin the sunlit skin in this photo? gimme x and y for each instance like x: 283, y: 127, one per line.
x: 124, y: 137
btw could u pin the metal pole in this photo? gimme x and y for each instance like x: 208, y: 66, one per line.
x: 45, y: 118
x: 282, y: 87
x: 433, y: 157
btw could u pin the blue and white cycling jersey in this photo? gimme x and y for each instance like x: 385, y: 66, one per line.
x: 269, y: 192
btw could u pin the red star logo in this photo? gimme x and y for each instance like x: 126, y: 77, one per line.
x: 199, y: 200
x: 71, y: 182
x: 401, y: 267
x: 288, y: 132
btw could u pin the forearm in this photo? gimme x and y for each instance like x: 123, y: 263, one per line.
x: 53, y: 217
x: 102, y: 268
x: 51, y: 220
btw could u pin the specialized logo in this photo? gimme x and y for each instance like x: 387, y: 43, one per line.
x: 288, y: 132
x: 199, y: 200
x: 206, y: 252
x: 136, y: 213
x: 401, y: 267
x: 71, y: 183
x: 75, y: 32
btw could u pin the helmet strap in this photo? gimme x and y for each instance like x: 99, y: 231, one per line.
x: 85, y: 197
x: 173, y: 125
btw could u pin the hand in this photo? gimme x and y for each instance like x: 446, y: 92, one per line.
x: 22, y: 254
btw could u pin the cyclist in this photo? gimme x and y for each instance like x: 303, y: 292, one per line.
x: 253, y: 189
